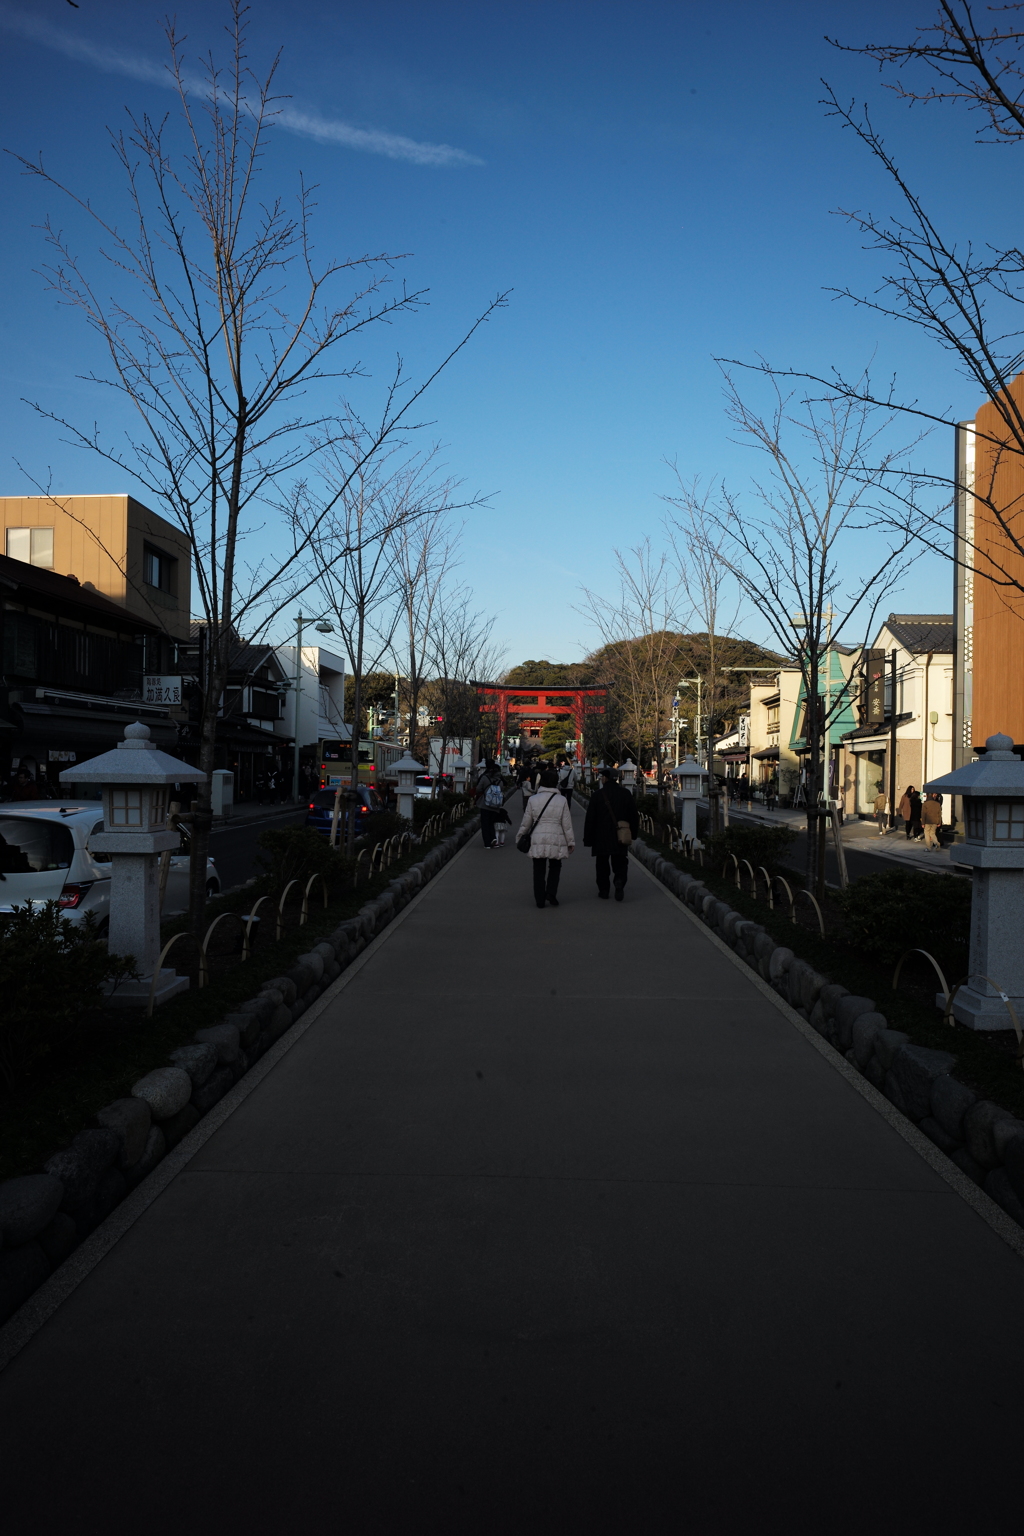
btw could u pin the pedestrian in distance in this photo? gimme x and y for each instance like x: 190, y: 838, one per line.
x: 931, y: 820
x: 568, y: 778
x: 881, y: 812
x: 910, y: 810
x: 612, y: 822
x: 548, y: 824
x: 490, y: 797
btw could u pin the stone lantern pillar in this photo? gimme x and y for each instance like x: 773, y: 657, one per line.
x: 993, y: 797
x: 459, y: 768
x: 133, y: 781
x: 406, y: 768
x: 689, y: 777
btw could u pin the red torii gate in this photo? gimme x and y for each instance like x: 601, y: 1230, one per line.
x: 578, y: 702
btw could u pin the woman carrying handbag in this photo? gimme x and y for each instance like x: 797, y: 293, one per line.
x: 546, y: 834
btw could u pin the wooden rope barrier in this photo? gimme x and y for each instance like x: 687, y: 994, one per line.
x: 305, y: 896
x: 938, y: 970
x: 186, y: 933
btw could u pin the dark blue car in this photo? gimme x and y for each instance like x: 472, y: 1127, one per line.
x: 321, y: 808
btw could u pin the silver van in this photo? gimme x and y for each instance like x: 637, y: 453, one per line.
x: 45, y: 856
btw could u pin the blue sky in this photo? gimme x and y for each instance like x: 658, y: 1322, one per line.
x: 653, y: 182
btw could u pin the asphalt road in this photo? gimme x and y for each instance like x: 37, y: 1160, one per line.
x: 234, y: 848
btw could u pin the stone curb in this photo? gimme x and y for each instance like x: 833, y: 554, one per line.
x: 50, y: 1219
x: 977, y: 1146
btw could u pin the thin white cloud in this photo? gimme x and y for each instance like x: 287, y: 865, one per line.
x: 308, y: 124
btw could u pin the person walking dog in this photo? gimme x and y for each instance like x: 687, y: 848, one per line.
x: 612, y: 821
x: 547, y: 832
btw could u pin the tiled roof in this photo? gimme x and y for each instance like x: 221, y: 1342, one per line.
x: 67, y: 591
x: 920, y: 632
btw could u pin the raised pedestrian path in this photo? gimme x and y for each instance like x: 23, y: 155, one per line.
x: 546, y: 1221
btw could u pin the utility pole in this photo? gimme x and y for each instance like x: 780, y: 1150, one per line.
x: 300, y: 620
x: 892, y: 745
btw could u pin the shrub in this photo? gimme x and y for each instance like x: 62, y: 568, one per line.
x: 888, y: 913
x: 379, y: 826
x: 53, y: 974
x: 760, y: 845
x: 295, y: 853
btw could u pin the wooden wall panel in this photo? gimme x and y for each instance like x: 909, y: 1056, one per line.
x: 998, y: 703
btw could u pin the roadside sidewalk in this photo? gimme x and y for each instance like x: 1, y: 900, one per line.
x: 861, y: 835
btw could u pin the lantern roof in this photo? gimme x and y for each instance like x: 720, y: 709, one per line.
x: 406, y: 764
x: 997, y: 775
x: 458, y: 761
x: 134, y: 761
x: 687, y: 767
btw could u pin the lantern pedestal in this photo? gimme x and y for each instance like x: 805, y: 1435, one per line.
x: 405, y: 771
x: 993, y: 798
x: 689, y: 777
x: 133, y: 780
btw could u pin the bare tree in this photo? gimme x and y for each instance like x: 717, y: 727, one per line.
x: 705, y: 579
x: 221, y: 320
x: 964, y: 294
x: 425, y: 560
x: 371, y: 504
x: 640, y: 643
x: 795, y: 553
x: 460, y: 648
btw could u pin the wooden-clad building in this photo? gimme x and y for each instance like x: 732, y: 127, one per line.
x: 989, y: 581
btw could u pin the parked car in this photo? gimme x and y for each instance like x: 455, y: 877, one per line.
x: 425, y: 784
x: 45, y: 856
x: 321, y: 808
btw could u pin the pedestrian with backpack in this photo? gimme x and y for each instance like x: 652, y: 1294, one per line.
x: 612, y: 822
x: 568, y: 778
x: 546, y: 834
x: 490, y: 797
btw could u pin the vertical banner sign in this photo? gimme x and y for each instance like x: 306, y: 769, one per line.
x: 875, y: 661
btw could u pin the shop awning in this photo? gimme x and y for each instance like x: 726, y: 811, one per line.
x: 732, y: 757
x: 769, y: 755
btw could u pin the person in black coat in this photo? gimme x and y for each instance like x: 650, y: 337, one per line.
x: 610, y: 804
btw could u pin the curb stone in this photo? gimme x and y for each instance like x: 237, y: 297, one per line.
x: 81, y: 1179
x: 983, y: 1140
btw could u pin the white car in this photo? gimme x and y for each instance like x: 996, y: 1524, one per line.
x: 45, y: 856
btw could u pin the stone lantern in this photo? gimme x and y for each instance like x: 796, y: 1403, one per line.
x: 133, y: 781
x: 993, y: 797
x: 628, y: 772
x: 689, y: 777
x: 406, y: 769
x: 459, y: 768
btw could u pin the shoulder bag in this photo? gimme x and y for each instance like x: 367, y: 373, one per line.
x: 623, y: 830
x: 523, y: 843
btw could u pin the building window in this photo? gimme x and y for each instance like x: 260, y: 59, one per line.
x: 33, y: 545
x: 1008, y: 821
x: 126, y: 807
x: 158, y: 569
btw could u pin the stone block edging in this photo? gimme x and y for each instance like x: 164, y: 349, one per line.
x: 981, y: 1139
x: 46, y: 1216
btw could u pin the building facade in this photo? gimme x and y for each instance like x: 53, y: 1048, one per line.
x: 73, y: 666
x: 112, y: 545
x: 922, y: 647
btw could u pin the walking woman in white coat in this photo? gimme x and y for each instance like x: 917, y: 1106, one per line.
x: 548, y: 820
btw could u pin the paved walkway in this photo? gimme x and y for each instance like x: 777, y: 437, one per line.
x: 551, y: 1221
